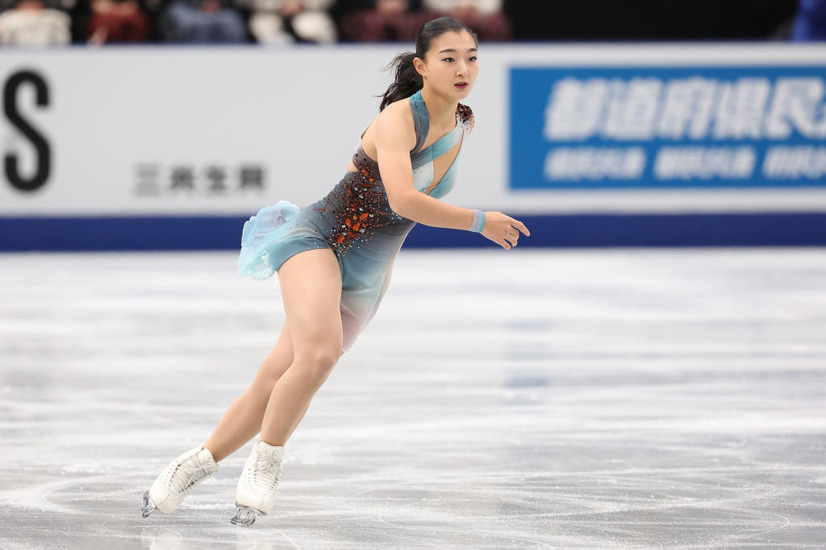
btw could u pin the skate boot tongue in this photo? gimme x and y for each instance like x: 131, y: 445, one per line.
x: 270, y: 451
x: 205, y: 458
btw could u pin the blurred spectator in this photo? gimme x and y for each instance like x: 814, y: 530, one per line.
x: 275, y: 21
x: 202, y: 22
x: 810, y: 21
x: 485, y: 17
x: 34, y: 23
x: 117, y: 21
x: 381, y: 21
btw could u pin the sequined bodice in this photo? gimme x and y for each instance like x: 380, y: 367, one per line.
x: 360, y: 200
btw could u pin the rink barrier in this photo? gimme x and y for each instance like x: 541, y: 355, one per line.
x: 556, y: 231
x: 592, y: 145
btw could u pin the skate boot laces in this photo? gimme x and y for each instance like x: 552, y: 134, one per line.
x: 177, y: 480
x: 187, y: 475
x: 266, y: 473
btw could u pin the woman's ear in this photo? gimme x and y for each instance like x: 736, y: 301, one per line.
x: 419, y: 65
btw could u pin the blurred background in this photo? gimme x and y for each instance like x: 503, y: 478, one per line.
x: 164, y: 124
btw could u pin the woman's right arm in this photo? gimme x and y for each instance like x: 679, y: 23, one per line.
x: 395, y: 138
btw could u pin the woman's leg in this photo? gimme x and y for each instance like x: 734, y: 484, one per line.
x: 311, y: 290
x: 243, y: 418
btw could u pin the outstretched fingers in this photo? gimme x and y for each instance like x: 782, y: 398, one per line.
x: 512, y: 230
x: 504, y: 230
x: 521, y: 227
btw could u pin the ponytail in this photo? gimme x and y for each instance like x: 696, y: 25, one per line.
x: 407, y: 79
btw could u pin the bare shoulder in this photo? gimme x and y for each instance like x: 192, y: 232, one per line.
x: 393, y: 130
x: 396, y: 122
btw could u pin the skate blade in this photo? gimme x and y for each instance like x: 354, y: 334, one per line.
x: 147, y: 506
x: 244, y: 516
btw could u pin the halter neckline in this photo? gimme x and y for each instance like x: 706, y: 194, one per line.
x: 421, y: 119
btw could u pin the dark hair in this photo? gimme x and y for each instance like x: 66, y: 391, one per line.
x: 407, y: 80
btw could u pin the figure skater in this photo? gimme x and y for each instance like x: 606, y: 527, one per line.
x: 334, y: 259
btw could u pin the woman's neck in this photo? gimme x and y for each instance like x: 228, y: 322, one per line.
x: 441, y: 112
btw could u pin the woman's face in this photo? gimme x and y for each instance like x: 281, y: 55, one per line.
x: 450, y: 65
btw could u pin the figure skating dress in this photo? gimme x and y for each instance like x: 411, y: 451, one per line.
x: 355, y: 221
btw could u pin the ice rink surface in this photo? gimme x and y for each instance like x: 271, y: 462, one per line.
x: 524, y: 399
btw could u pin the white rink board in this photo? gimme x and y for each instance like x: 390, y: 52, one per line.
x: 295, y: 114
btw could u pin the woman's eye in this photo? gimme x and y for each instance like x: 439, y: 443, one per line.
x: 448, y: 59
x: 474, y: 58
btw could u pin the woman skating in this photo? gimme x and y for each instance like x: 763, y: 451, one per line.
x: 334, y: 259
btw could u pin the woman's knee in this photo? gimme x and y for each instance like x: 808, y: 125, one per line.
x: 318, y: 361
x: 326, y: 355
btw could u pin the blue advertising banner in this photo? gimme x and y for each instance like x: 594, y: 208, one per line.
x: 651, y: 127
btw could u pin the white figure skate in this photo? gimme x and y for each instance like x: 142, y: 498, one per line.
x: 255, y: 493
x: 177, y: 480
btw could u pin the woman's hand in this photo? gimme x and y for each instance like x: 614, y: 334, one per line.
x: 503, y: 230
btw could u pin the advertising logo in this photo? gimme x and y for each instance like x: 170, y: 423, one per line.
x: 13, y: 90
x: 188, y: 180
x: 648, y: 127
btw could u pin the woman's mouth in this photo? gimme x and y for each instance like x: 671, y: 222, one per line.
x: 461, y: 85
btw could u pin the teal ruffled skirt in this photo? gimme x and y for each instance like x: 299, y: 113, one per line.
x: 365, y: 245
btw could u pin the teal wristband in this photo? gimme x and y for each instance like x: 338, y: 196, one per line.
x: 478, y: 223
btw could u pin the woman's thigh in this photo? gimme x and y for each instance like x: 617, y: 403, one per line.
x: 311, y: 290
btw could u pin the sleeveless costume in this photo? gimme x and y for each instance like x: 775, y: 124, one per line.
x: 355, y: 221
